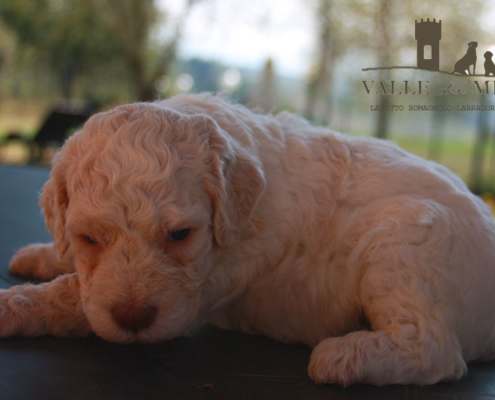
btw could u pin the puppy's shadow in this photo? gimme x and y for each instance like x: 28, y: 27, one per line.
x: 17, y: 279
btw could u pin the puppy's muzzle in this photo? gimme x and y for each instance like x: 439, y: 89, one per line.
x: 132, y: 317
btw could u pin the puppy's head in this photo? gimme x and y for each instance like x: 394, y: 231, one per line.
x: 145, y: 197
x: 472, y: 45
x: 488, y: 55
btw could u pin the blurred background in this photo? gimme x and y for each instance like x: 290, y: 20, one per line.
x: 62, y: 60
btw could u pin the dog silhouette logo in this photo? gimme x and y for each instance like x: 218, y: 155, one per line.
x: 489, y: 66
x: 428, y: 35
x: 465, y: 62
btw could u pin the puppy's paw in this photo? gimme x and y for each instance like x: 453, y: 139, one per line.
x: 8, y: 315
x: 373, y: 357
x: 358, y: 357
x: 34, y: 261
x: 52, y: 308
x: 331, y: 363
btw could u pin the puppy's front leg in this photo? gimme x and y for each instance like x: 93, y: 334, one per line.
x: 52, y: 308
x: 41, y: 261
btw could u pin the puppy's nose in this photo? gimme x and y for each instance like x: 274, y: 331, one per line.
x: 132, y: 317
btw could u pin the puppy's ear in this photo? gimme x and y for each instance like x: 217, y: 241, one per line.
x: 54, y: 202
x: 235, y: 181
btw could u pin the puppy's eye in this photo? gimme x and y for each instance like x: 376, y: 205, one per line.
x: 181, y: 234
x: 89, y: 239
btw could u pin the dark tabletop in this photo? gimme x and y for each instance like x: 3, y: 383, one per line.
x: 213, y: 363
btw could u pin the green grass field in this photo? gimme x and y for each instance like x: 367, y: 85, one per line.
x: 455, y: 154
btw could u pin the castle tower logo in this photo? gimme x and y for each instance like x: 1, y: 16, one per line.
x: 428, y: 35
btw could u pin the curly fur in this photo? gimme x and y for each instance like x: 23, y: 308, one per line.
x: 382, y: 261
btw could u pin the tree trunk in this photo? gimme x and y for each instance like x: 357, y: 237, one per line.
x: 384, y: 55
x: 383, y: 120
x: 67, y: 80
x: 319, y: 85
x: 478, y: 156
x: 435, y: 144
x: 491, y: 170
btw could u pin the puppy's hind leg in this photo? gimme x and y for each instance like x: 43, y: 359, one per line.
x: 410, y: 341
x: 40, y: 261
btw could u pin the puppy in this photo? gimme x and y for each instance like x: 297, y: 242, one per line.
x: 489, y: 66
x: 166, y: 215
x: 465, y: 62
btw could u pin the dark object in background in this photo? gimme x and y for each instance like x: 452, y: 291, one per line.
x: 54, y: 129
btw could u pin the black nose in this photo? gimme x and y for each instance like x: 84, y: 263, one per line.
x: 132, y: 317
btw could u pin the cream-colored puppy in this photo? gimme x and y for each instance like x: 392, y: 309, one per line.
x: 167, y: 215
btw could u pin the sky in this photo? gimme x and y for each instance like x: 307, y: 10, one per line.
x: 246, y: 37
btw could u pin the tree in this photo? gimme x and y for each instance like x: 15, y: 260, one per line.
x: 68, y: 36
x: 383, y: 29
x: 320, y: 78
x: 136, y: 20
x: 385, y: 53
x: 75, y: 37
x: 6, y: 47
x: 478, y: 155
x: 265, y: 94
